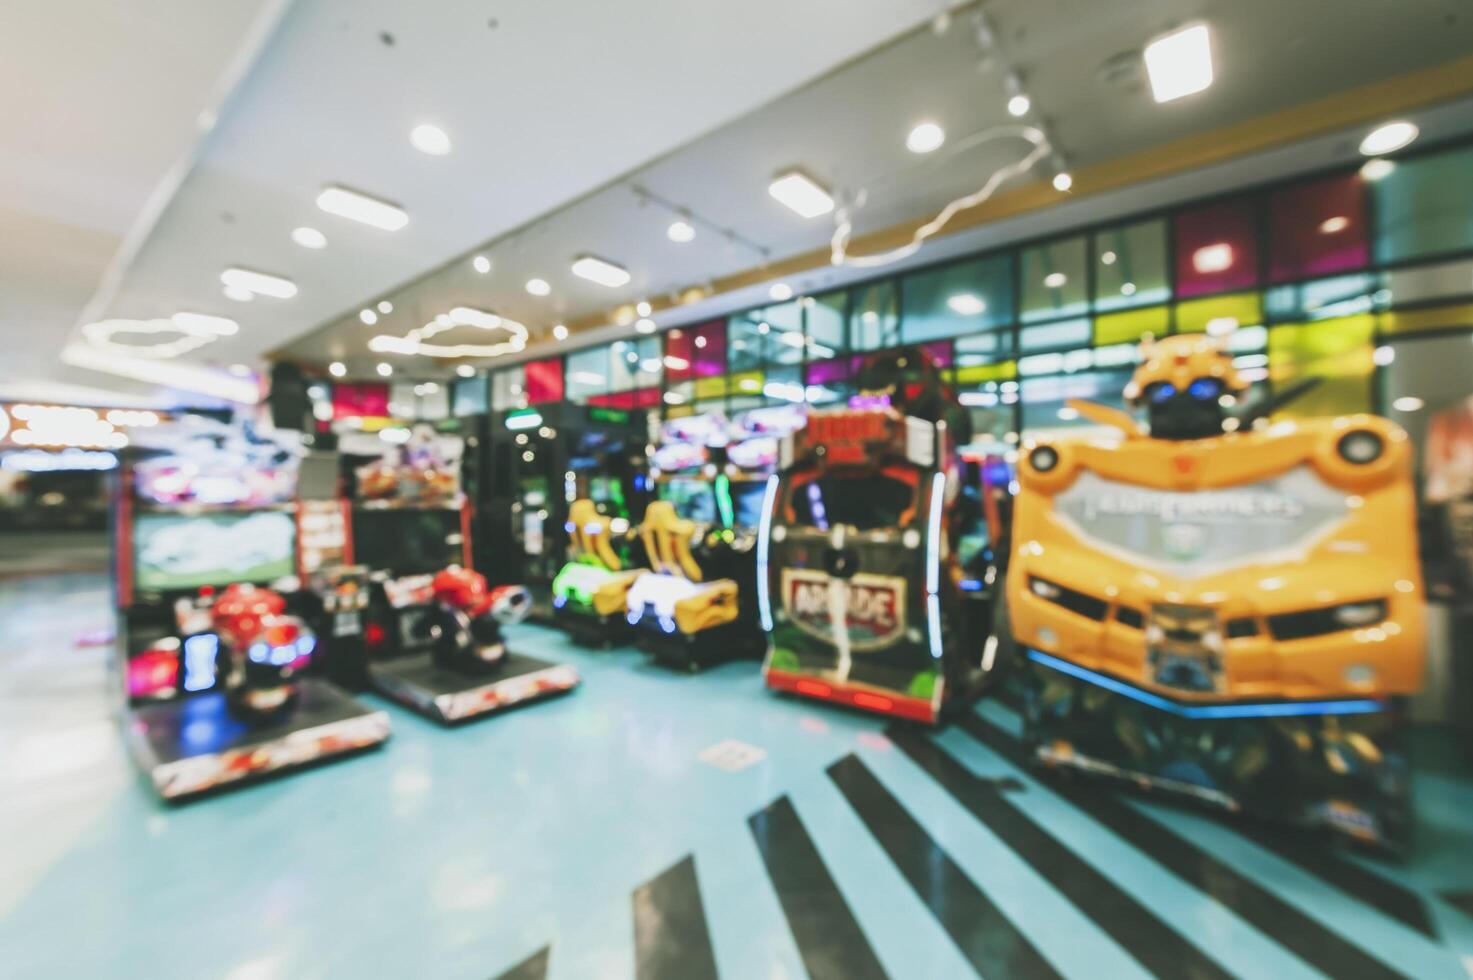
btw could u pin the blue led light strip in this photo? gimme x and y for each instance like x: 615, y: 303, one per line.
x: 764, y: 531
x: 1283, y: 709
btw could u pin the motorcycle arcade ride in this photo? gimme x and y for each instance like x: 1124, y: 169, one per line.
x: 859, y: 568
x: 218, y: 678
x: 431, y: 627
x: 1223, y: 611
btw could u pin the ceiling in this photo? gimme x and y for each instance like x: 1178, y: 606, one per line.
x: 558, y: 114
x: 544, y: 102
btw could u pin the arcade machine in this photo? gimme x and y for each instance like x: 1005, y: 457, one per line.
x: 697, y: 604
x: 216, y: 674
x: 859, y: 558
x: 589, y: 592
x: 1220, y: 610
x: 430, y: 628
x: 542, y: 459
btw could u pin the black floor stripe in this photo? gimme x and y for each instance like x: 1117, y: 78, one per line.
x: 829, y: 939
x: 1462, y: 901
x: 990, y: 942
x: 670, y: 935
x: 1320, y: 947
x: 1381, y: 893
x: 1155, y: 945
x: 533, y: 967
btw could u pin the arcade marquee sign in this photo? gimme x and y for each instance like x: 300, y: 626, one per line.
x: 869, y: 608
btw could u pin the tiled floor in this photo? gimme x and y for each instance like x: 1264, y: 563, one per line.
x: 586, y: 837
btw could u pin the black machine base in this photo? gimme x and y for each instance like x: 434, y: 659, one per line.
x: 197, y: 744
x: 696, y: 651
x: 451, y: 696
x: 590, y: 630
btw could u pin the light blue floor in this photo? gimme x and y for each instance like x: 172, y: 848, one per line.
x: 459, y: 853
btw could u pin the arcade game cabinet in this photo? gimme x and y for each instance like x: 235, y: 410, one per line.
x: 539, y: 461
x: 1226, y: 611
x: 589, y: 593
x: 859, y: 564
x: 217, y: 675
x: 430, y: 632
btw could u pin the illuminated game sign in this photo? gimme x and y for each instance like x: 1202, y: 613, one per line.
x: 870, y: 609
x: 846, y: 436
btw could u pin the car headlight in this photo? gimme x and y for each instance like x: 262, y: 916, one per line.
x: 1044, y: 458
x: 1360, y: 447
x: 1354, y: 614
x: 1044, y: 590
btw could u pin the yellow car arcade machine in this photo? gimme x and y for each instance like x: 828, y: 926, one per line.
x: 590, y: 593
x: 859, y: 558
x: 1221, y: 607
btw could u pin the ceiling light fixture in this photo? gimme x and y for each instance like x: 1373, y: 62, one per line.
x: 481, y: 264
x: 189, y: 331
x: 239, y: 293
x: 368, y: 317
x: 384, y: 306
x: 204, y: 323
x: 337, y: 369
x: 925, y: 138
x: 962, y: 304
x: 680, y: 231
x: 1019, y: 105
x: 538, y: 287
x: 361, y: 208
x: 1180, y: 63
x: 258, y: 283
x: 559, y: 332
x: 1063, y: 181
x: 801, y: 193
x: 430, y: 139
x: 1108, y: 258
x: 597, y: 270
x: 644, y: 325
x: 384, y: 369
x: 465, y: 371
x: 781, y: 292
x: 643, y: 308
x: 309, y: 237
x: 1389, y: 138
x: 417, y: 342
x: 1374, y: 170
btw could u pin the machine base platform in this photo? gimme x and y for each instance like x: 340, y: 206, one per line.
x: 450, y: 696
x: 196, y: 744
x: 591, y: 629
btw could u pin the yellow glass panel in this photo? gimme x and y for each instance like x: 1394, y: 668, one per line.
x: 1454, y: 316
x: 1130, y: 325
x: 710, y: 387
x: 1246, y: 309
x: 746, y: 383
x: 1338, y: 351
x: 982, y: 373
x: 678, y: 411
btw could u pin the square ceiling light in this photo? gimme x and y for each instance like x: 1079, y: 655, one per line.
x: 604, y: 273
x: 362, y: 208
x: 1180, y: 63
x: 801, y: 193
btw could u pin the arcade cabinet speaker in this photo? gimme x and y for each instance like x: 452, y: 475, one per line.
x: 291, y: 408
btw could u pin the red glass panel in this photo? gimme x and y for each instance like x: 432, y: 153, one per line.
x: 1317, y: 229
x: 696, y: 352
x: 543, y: 381
x: 360, y: 400
x: 1216, y: 248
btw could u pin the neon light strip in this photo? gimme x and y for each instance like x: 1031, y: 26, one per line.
x: 933, y: 534
x: 723, y: 500
x: 764, y: 531
x: 933, y: 616
x: 1209, y: 711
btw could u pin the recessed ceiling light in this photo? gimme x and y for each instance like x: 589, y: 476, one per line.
x: 559, y: 332
x: 1055, y: 280
x: 204, y: 323
x: 643, y: 308
x: 430, y: 139
x: 368, y: 316
x: 781, y: 292
x: 337, y: 369
x: 1408, y: 403
x: 1107, y: 258
x: 481, y: 264
x: 802, y: 194
x: 384, y: 369
x: 962, y: 304
x: 644, y: 325
x: 1063, y: 181
x: 538, y: 287
x: 597, y: 270
x: 309, y: 237
x: 1180, y: 63
x: 360, y: 207
x: 239, y: 293
x: 926, y: 137
x: 1019, y: 105
x: 1335, y: 225
x: 680, y: 231
x: 465, y: 371
x: 384, y: 306
x: 259, y: 283
x: 1376, y: 169
x: 1388, y: 138
x: 1217, y: 257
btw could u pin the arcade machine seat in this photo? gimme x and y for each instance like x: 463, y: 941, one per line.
x: 682, y: 618
x: 590, y: 593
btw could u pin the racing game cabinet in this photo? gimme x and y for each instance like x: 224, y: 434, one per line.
x: 590, y: 592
